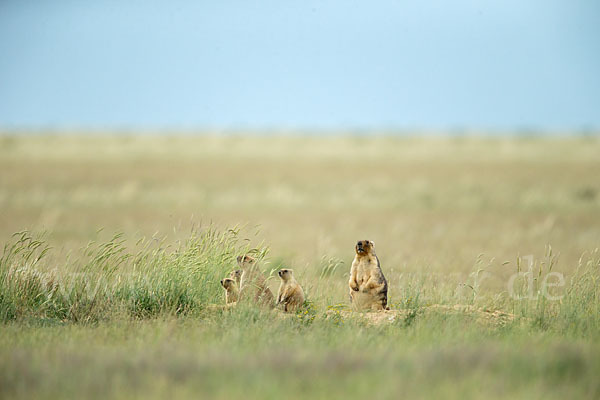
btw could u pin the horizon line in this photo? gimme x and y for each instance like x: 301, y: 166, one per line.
x: 458, y: 130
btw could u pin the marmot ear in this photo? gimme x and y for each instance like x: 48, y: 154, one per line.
x: 372, y: 243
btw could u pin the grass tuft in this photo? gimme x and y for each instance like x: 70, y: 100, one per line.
x: 108, y: 278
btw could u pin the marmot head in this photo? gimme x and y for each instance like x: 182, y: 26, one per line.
x: 364, y: 247
x: 246, y: 261
x: 285, y: 274
x: 237, y: 274
x: 228, y: 283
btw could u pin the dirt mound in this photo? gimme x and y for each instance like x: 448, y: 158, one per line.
x: 480, y: 315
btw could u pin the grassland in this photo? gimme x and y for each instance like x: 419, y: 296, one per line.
x: 124, y: 312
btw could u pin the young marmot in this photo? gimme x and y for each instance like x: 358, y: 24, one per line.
x: 290, y: 295
x: 368, y: 287
x: 252, y: 283
x: 232, y: 293
x: 236, y: 276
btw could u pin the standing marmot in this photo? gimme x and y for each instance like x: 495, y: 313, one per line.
x: 252, y: 283
x: 290, y: 294
x: 232, y: 293
x: 368, y: 287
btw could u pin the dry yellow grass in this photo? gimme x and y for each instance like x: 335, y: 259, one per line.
x: 445, y: 215
x: 431, y: 205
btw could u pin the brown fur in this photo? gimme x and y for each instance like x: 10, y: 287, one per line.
x: 368, y: 286
x: 253, y: 284
x: 236, y: 276
x: 231, y: 290
x: 290, y: 295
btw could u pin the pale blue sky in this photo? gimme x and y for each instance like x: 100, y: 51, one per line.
x: 501, y: 65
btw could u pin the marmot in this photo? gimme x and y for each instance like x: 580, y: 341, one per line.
x: 368, y: 287
x: 290, y: 295
x: 236, y: 276
x: 232, y: 293
x: 252, y: 283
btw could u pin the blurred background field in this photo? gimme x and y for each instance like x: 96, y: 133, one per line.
x: 432, y: 205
